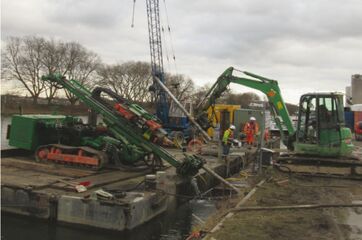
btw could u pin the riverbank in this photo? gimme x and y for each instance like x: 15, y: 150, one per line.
x: 282, y: 189
x: 11, y: 104
x: 323, y: 223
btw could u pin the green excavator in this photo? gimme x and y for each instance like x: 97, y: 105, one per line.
x: 320, y: 130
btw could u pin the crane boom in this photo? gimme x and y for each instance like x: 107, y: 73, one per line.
x: 154, y: 31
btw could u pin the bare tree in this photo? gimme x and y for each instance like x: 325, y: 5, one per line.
x: 21, y: 60
x: 71, y: 60
x: 133, y: 79
x: 27, y: 59
x: 52, y: 57
x: 182, y: 87
x: 80, y: 64
x: 199, y: 95
x: 242, y: 99
x: 130, y: 79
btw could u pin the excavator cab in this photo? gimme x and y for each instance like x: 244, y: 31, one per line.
x: 321, y: 129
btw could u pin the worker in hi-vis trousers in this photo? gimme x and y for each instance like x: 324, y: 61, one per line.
x: 251, y: 130
x: 227, y: 141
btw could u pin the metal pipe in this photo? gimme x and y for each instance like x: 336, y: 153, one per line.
x: 210, y: 171
x: 261, y: 142
x: 303, y: 206
x: 191, y: 118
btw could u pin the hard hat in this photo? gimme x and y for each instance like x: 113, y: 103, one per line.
x: 232, y: 127
x: 252, y: 119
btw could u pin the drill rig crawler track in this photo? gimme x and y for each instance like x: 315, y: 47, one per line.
x: 68, y: 155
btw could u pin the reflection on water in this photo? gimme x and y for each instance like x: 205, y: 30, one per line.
x: 174, y: 225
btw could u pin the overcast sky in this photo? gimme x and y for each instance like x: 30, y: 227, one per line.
x: 311, y: 45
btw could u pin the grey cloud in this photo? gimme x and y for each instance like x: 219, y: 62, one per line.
x: 90, y: 13
x: 306, y: 45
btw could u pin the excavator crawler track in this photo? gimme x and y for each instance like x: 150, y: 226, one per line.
x: 68, y: 155
x: 296, y: 159
x: 350, y: 168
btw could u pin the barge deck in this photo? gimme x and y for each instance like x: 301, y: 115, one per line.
x: 47, y: 191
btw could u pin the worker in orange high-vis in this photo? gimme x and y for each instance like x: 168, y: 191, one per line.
x: 251, y: 130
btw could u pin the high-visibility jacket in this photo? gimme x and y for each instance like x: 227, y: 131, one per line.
x: 228, y: 136
x: 251, y: 129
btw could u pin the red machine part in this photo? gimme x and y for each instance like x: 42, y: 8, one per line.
x: 68, y: 155
x: 358, y: 131
x: 153, y: 125
x: 195, y: 145
x: 123, y: 111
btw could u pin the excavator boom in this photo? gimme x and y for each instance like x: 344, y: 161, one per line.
x: 268, y: 86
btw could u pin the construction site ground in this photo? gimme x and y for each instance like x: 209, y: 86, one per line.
x: 281, y: 189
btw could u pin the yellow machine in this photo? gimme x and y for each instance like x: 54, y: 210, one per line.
x: 214, y: 114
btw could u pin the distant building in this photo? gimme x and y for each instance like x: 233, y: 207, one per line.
x: 356, y: 86
x: 354, y: 92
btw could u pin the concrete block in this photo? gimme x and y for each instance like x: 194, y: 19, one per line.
x: 19, y: 201
x: 7, y: 196
x: 92, y: 212
x: 143, y: 209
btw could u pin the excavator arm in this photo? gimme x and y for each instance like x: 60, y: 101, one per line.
x: 268, y: 86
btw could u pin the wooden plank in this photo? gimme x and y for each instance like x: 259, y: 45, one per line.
x: 110, y: 177
x: 52, y: 169
x: 25, y: 178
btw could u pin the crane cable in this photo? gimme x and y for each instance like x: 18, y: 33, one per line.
x: 163, y: 36
x: 134, y: 5
x: 171, y: 40
x: 164, y: 41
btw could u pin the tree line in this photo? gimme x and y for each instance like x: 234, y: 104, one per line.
x: 26, y: 59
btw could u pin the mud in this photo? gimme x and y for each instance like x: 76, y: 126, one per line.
x: 327, y: 223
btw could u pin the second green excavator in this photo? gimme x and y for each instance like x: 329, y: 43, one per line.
x: 320, y: 129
